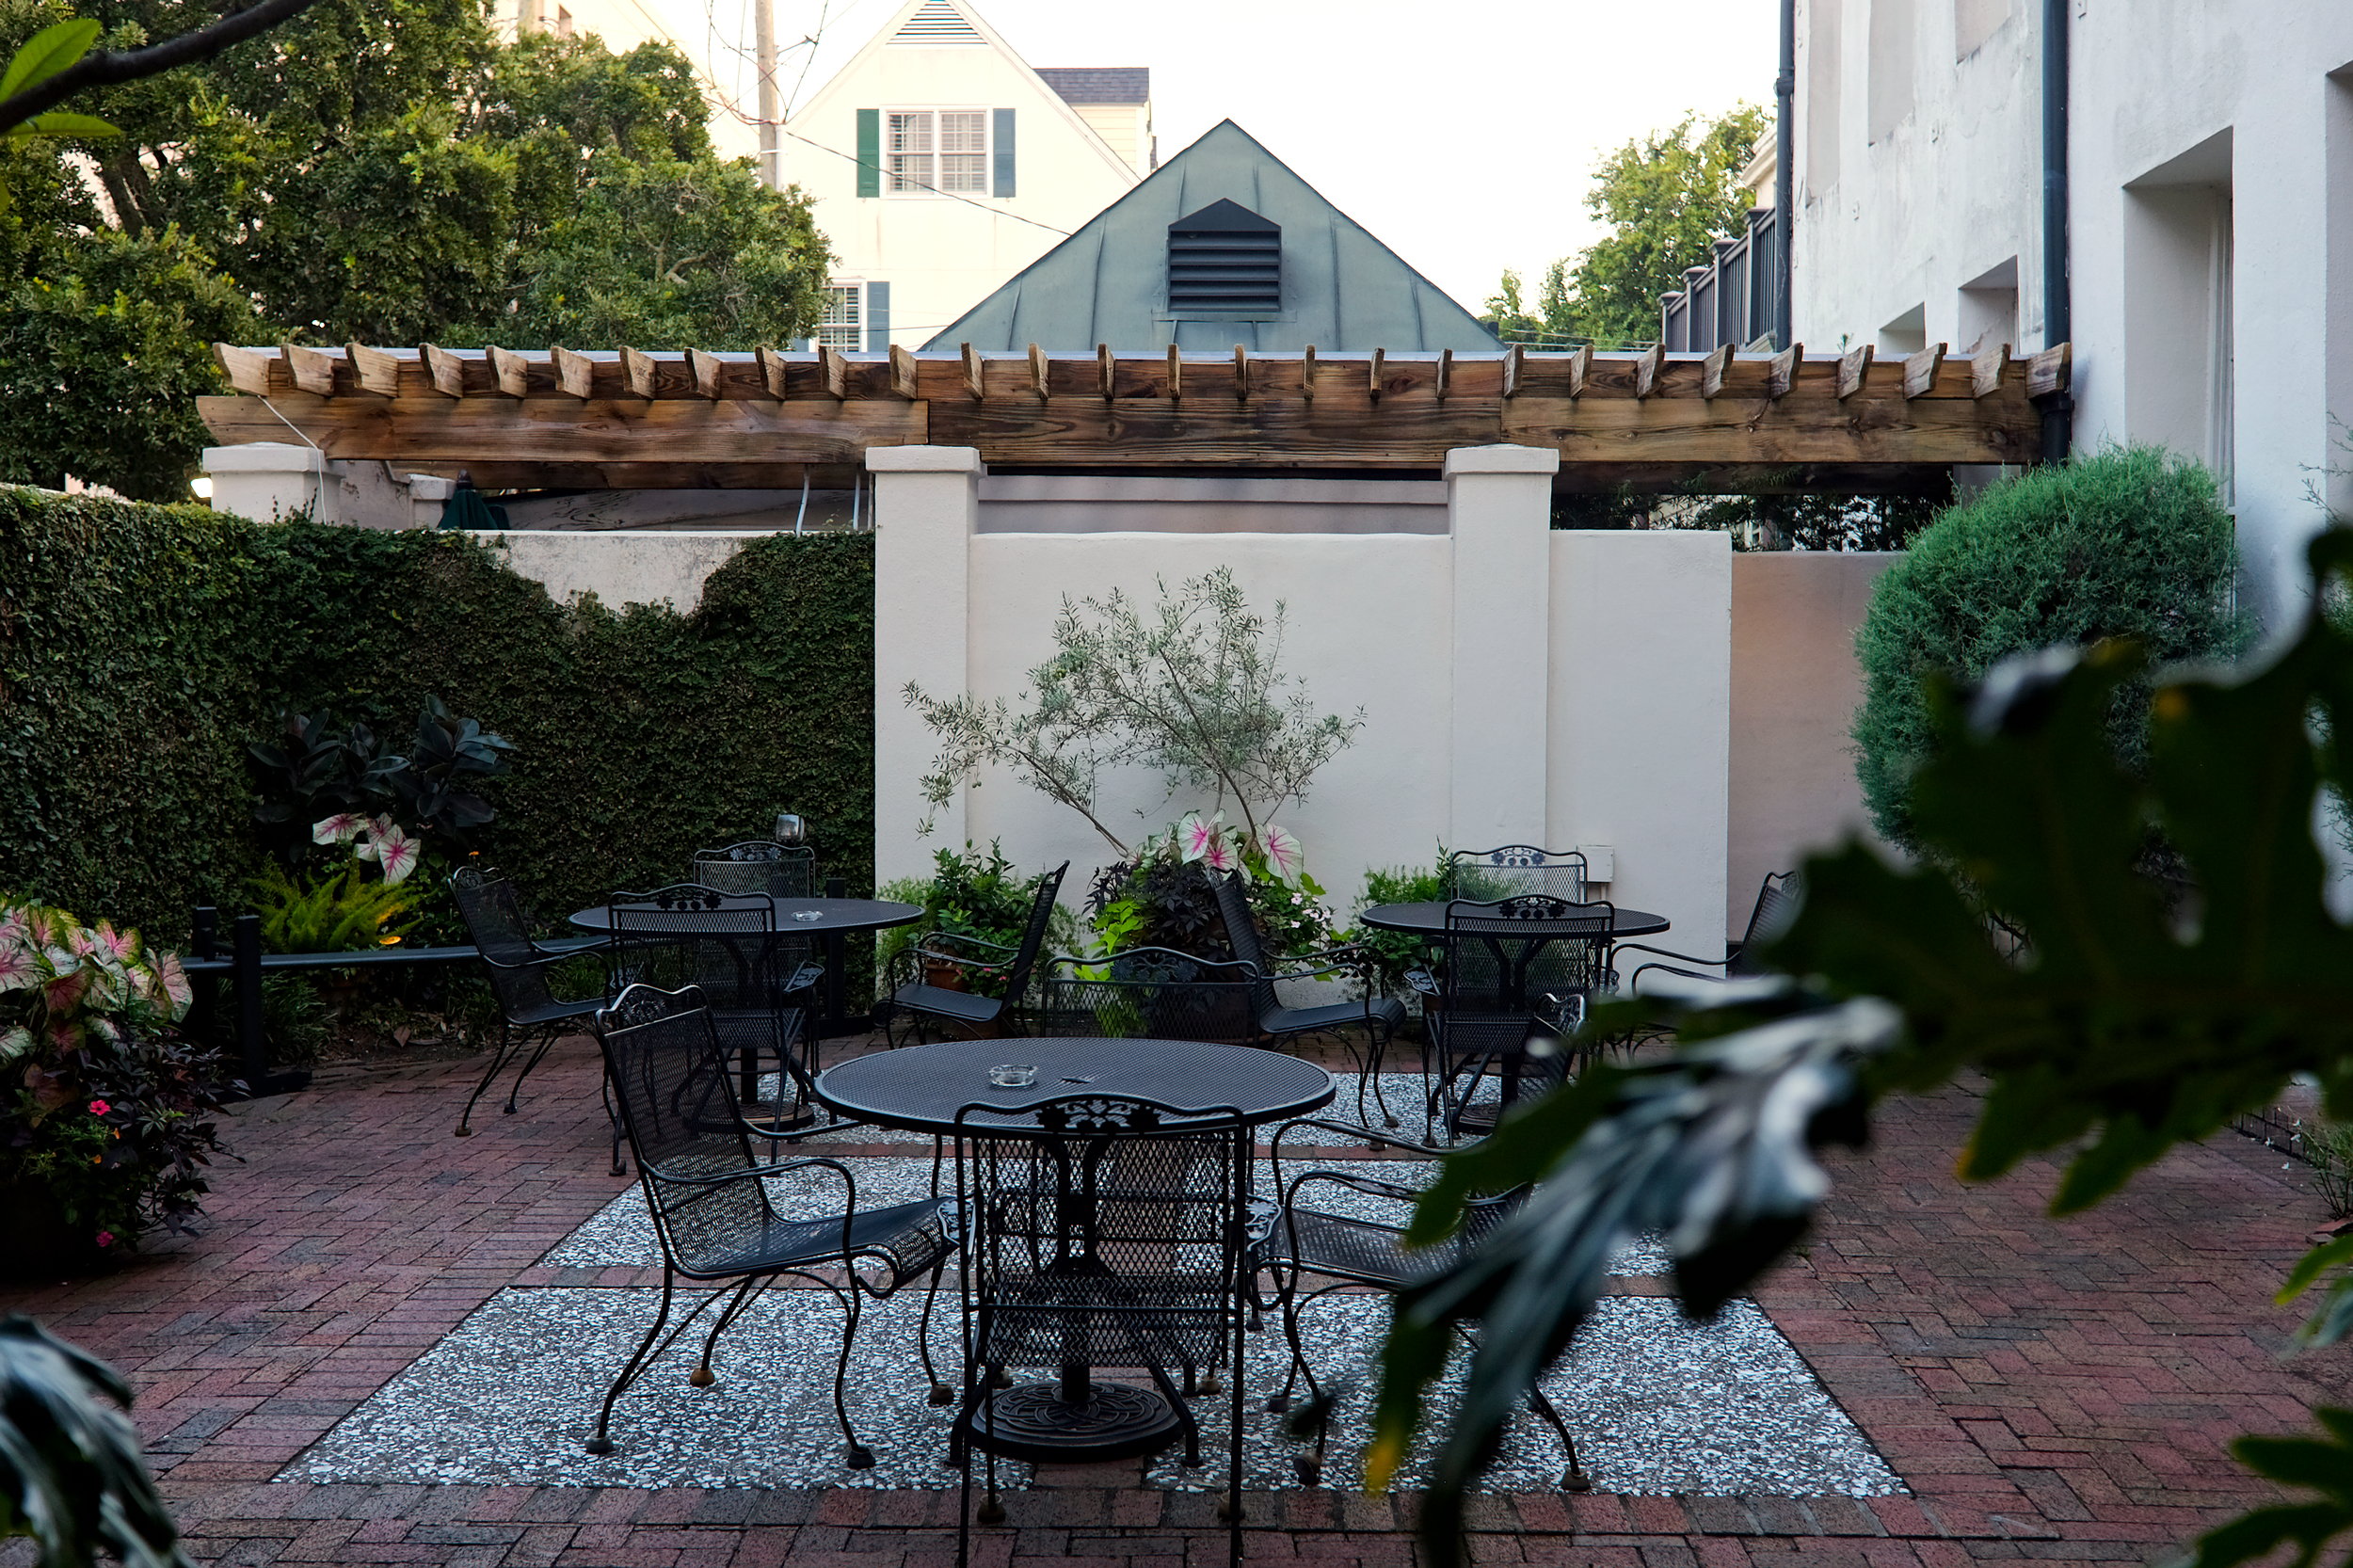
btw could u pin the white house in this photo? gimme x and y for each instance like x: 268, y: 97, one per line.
x: 2208, y: 172
x: 941, y: 164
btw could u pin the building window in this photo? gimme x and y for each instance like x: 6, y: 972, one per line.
x: 842, y: 328
x: 562, y: 23
x: 937, y: 149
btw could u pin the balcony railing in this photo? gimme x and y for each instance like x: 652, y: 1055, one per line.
x: 1734, y: 298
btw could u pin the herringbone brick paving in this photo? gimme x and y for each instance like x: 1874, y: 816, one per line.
x: 2050, y: 1390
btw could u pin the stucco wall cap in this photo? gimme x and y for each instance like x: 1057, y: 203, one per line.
x: 1502, y: 460
x: 923, y: 459
x: 264, y: 458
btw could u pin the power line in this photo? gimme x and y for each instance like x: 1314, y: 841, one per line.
x: 917, y: 184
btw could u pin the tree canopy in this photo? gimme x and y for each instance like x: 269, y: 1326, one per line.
x: 1665, y: 199
x: 386, y: 171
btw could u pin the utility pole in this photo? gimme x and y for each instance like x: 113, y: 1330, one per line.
x: 765, y: 44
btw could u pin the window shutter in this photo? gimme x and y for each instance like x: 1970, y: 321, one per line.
x: 1001, y: 144
x: 878, y: 318
x: 870, y: 151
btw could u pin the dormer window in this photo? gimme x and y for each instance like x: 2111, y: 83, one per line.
x: 1225, y: 261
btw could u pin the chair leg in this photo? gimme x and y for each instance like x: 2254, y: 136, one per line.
x: 1233, y: 1479
x: 547, y: 1038
x: 490, y: 1075
x: 1184, y: 1413
x: 859, y: 1456
x: 1311, y: 1469
x: 702, y: 1376
x: 613, y: 1114
x: 602, y: 1443
x: 1575, y: 1479
x: 941, y: 1394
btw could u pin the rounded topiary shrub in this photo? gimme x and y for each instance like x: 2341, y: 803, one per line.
x: 2130, y: 543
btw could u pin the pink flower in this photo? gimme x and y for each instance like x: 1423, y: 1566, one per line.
x: 337, y: 829
x: 98, y: 1108
x: 1283, y: 852
x: 105, y: 1238
x: 397, y: 853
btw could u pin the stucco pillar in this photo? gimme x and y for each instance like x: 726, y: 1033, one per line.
x: 1499, y: 516
x: 268, y: 480
x: 927, y: 502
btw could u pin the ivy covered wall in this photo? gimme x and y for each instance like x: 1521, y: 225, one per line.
x: 141, y: 648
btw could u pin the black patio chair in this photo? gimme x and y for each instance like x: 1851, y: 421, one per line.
x: 716, y: 1219
x: 1777, y: 900
x: 1517, y: 976
x: 1145, y: 994
x: 1511, y: 870
x: 1005, y: 970
x: 529, y: 1012
x: 1348, y: 1250
x: 761, y: 866
x: 1112, y: 1234
x: 1291, y: 996
x: 727, y: 946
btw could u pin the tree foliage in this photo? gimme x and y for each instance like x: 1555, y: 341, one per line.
x: 2130, y: 543
x: 384, y: 170
x: 1665, y: 200
x: 2132, y: 1018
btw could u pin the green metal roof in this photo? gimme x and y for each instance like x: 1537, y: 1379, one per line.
x: 1342, y: 290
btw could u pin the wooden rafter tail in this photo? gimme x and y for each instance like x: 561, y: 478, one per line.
x: 1514, y: 370
x: 1784, y: 374
x: 1986, y: 366
x: 774, y: 370
x: 446, y: 370
x: 903, y: 373
x: 1104, y: 369
x: 974, y: 382
x: 313, y: 369
x: 376, y: 370
x: 1038, y: 371
x: 1307, y: 372
x: 1646, y: 370
x: 1712, y: 370
x: 639, y: 373
x: 2048, y: 373
x: 257, y: 372
x: 1175, y: 373
x: 1580, y: 366
x: 512, y: 371
x: 1920, y: 370
x: 1241, y: 374
x: 836, y: 371
x: 1445, y: 373
x: 575, y: 373
x: 1373, y: 372
x: 1854, y: 366
x: 706, y: 372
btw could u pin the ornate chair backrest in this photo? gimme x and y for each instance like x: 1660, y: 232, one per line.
x: 1510, y: 870
x: 500, y: 928
x: 1034, y: 934
x: 1777, y: 903
x: 758, y: 866
x: 1507, y: 955
x: 679, y: 1111
x: 1242, y: 934
x: 1114, y: 1235
x: 1145, y: 994
x: 687, y: 934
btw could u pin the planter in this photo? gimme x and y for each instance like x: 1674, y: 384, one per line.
x: 36, y: 1243
x: 944, y: 977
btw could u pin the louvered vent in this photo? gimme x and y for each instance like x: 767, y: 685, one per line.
x: 1225, y: 260
x: 937, y: 21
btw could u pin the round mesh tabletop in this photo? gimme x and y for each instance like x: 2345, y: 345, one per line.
x: 921, y: 1088
x: 804, y: 916
x: 1430, y: 919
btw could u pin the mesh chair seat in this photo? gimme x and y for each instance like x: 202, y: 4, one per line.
x: 917, y: 1001
x: 964, y: 1007
x: 1387, y: 1011
x: 555, y: 1010
x: 909, y: 1238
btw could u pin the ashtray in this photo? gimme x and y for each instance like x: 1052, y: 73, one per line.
x: 1011, y: 1076
x: 809, y: 913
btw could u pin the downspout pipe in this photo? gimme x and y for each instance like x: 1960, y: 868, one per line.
x: 1784, y: 174
x: 2058, y: 411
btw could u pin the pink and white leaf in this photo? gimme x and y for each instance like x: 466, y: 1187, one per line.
x: 1283, y: 852
x: 397, y: 853
x: 19, y: 969
x: 337, y: 829
x: 172, y: 982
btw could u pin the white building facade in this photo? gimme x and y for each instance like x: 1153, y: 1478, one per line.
x: 2210, y: 211
x: 941, y: 164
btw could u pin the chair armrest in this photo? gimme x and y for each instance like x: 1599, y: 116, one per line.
x: 1370, y: 1186
x: 934, y: 945
x: 1634, y: 981
x: 1374, y: 1136
x: 1618, y: 948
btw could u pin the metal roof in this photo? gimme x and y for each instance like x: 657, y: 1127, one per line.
x: 1343, y: 289
x: 1098, y: 84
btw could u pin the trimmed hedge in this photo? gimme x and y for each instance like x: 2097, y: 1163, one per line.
x: 141, y: 648
x: 2133, y: 542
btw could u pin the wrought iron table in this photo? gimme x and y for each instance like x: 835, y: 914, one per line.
x: 924, y: 1088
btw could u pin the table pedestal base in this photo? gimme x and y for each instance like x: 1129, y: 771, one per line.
x: 1034, y: 1421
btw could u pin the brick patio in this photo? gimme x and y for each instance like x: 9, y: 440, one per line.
x: 2049, y: 1391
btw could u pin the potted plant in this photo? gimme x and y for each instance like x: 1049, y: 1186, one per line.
x: 1162, y: 896
x: 976, y: 893
x: 104, y: 1106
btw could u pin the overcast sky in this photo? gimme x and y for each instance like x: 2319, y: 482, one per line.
x: 1461, y: 133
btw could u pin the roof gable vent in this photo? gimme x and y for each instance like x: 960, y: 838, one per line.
x: 937, y: 21
x: 1225, y: 260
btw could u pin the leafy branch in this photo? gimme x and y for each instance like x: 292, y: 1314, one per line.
x: 56, y: 63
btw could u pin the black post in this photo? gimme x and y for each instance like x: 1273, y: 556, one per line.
x: 247, y: 958
x: 2058, y: 411
x: 205, y: 940
x: 1785, y: 176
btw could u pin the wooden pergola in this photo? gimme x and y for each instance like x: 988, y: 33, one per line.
x: 625, y: 420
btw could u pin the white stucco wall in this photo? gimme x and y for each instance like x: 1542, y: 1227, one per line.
x: 1516, y: 684
x: 2171, y: 102
x: 627, y: 567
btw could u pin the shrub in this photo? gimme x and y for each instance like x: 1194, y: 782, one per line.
x: 2130, y: 543
x: 977, y: 894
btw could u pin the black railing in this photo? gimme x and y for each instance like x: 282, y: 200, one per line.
x: 1734, y: 298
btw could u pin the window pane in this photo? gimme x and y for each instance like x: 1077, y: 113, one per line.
x: 910, y: 171
x: 964, y: 133
x: 962, y: 171
x: 911, y: 132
